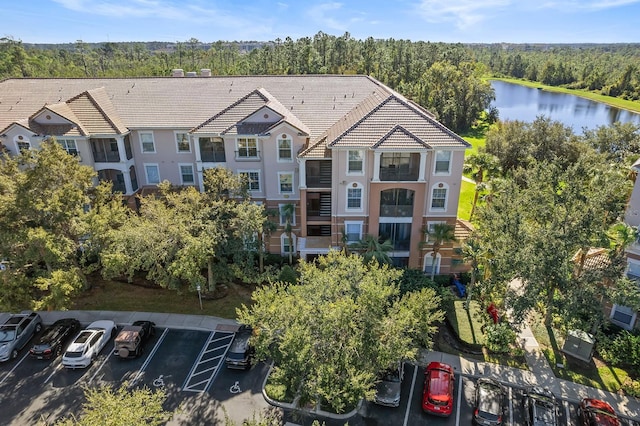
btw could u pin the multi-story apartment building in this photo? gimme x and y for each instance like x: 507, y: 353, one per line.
x: 352, y: 155
x: 625, y: 316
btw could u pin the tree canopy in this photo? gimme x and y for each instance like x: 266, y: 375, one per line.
x: 344, y: 321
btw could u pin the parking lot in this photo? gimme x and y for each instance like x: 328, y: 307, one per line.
x: 189, y: 366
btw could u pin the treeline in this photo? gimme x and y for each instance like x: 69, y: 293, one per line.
x: 445, y: 78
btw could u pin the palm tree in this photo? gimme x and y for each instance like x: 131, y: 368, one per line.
x: 370, y: 247
x: 440, y: 233
x: 288, y: 210
x: 475, y: 254
x: 481, y: 166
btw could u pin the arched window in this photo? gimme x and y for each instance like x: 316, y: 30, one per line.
x: 285, y: 148
x: 429, y: 264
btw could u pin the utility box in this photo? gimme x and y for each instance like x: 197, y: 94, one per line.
x: 579, y: 344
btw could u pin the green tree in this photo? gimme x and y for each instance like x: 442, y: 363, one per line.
x: 43, y: 194
x: 108, y: 406
x: 289, y: 211
x: 330, y: 334
x: 481, y: 166
x: 439, y: 234
x: 372, y: 249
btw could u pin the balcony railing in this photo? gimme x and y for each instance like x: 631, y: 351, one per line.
x: 213, y: 157
x: 318, y: 216
x: 399, y: 173
x: 396, y: 211
x: 106, y: 157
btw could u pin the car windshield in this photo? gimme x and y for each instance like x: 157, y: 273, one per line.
x: 236, y: 355
x: 7, y: 334
x: 489, y: 401
x: 391, y: 376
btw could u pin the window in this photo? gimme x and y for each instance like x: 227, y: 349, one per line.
x: 283, y: 216
x: 429, y: 264
x: 354, y: 198
x: 288, y: 246
x: 398, y: 233
x: 356, y: 160
x: 633, y: 269
x: 285, y: 149
x: 22, y: 143
x: 186, y: 174
x: 430, y: 229
x: 286, y: 182
x: 623, y: 316
x: 247, y: 148
x: 69, y: 145
x: 182, y: 143
x: 153, y: 173
x: 146, y: 142
x: 353, y: 231
x: 439, y: 197
x: 443, y: 162
x: 253, y: 178
x: 212, y: 150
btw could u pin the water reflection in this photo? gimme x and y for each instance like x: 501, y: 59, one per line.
x: 515, y: 102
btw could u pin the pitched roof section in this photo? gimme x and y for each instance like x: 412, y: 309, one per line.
x: 96, y: 112
x: 370, y: 130
x: 318, y: 101
x: 399, y: 139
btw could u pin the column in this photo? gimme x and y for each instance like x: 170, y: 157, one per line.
x: 128, y: 187
x: 376, y: 166
x: 423, y: 166
x: 302, y: 178
x: 122, y: 152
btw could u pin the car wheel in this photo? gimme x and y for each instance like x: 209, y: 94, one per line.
x: 58, y: 351
x: 14, y: 354
x: 38, y: 328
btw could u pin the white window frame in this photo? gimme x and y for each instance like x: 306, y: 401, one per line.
x: 178, y: 150
x: 355, y: 172
x: 247, y: 157
x: 64, y: 143
x: 348, y: 223
x: 430, y: 225
x: 350, y: 187
x: 439, y: 186
x: 280, y: 176
x: 25, y: 140
x: 435, y: 163
x: 282, y: 138
x: 625, y: 310
x: 259, y: 179
x: 284, y: 244
x: 438, y: 261
x: 282, y: 220
x: 193, y: 173
x: 146, y: 173
x: 142, y: 143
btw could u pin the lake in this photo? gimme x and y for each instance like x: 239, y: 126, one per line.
x: 516, y: 102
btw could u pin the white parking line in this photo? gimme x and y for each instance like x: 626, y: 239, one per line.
x: 460, y: 386
x: 413, y: 382
x: 566, y: 409
x: 148, y: 360
x: 57, y: 368
x: 195, y: 387
x: 510, y: 406
x: 106, y: 358
x: 14, y: 367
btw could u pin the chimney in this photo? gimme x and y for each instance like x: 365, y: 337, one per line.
x: 205, y: 72
x: 177, y: 73
x: 192, y: 74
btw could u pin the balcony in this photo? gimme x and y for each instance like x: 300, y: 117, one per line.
x: 393, y: 173
x: 105, y: 150
x: 319, y: 207
x: 395, y: 211
x: 318, y: 173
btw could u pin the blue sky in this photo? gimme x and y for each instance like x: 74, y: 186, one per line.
x: 467, y: 21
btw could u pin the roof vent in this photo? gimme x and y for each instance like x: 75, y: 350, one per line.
x: 177, y: 72
x: 192, y: 74
x: 205, y: 72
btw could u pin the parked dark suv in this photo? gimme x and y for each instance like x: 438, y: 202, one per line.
x: 130, y: 341
x: 240, y: 351
x: 54, y: 339
x: 16, y: 332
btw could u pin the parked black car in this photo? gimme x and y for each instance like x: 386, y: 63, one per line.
x: 54, y: 339
x: 490, y: 405
x: 240, y: 351
x: 540, y: 407
x: 130, y: 341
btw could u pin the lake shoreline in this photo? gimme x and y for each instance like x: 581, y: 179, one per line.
x: 632, y: 106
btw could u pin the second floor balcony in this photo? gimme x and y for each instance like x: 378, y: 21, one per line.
x: 401, y: 173
x: 318, y: 173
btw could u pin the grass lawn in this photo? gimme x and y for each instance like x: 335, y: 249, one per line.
x: 467, y: 324
x: 117, y: 296
x: 467, y: 191
x: 609, y: 100
x: 596, y: 374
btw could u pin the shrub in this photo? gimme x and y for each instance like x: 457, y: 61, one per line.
x: 631, y: 387
x: 500, y: 338
x: 622, y: 350
x: 288, y: 275
x: 414, y: 280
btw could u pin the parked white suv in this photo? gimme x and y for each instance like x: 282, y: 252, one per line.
x: 16, y: 332
x: 88, y: 344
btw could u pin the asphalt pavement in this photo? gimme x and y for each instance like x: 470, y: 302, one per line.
x: 539, y: 372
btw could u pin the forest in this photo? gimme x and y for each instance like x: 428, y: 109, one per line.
x: 448, y: 79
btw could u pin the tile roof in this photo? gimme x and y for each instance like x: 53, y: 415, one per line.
x: 398, y: 139
x: 596, y: 258
x: 318, y: 101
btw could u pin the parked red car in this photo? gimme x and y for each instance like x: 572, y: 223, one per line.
x: 437, y: 395
x: 593, y: 412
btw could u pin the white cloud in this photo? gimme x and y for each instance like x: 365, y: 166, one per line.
x: 320, y: 13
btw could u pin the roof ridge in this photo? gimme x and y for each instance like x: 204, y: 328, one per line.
x: 400, y: 128
x: 257, y: 91
x: 97, y: 106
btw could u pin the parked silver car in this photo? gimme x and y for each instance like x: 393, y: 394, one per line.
x: 16, y: 332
